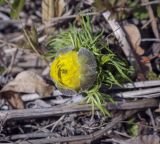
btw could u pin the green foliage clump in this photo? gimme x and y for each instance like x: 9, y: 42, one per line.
x: 111, y: 70
x: 152, y: 76
x: 133, y: 127
x: 16, y: 7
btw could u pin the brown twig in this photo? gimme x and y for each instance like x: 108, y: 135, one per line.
x: 142, y: 84
x: 150, y: 114
x: 153, y: 19
x: 150, y: 40
x: 150, y: 2
x: 23, y: 114
x: 144, y: 93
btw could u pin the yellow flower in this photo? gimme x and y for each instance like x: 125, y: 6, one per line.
x: 74, y: 70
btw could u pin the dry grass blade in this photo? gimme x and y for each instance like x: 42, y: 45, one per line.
x: 153, y: 19
x: 52, y: 8
x: 47, y: 10
x: 59, y: 8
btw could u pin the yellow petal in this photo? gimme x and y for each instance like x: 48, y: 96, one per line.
x: 65, y: 70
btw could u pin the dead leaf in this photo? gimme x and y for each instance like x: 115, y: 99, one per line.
x: 134, y: 37
x: 52, y: 8
x: 47, y: 10
x: 28, y: 82
x: 59, y: 7
x: 157, y: 110
x: 102, y: 5
x: 14, y: 100
x: 25, y: 82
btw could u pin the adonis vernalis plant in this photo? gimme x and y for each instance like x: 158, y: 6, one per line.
x: 80, y: 66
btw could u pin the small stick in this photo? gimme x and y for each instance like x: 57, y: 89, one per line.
x: 139, y: 93
x: 152, y: 17
x: 22, y: 114
x: 146, y: 96
x: 142, y: 84
x: 55, y: 19
x: 150, y: 114
x: 146, y: 24
x: 150, y: 39
x: 150, y: 2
